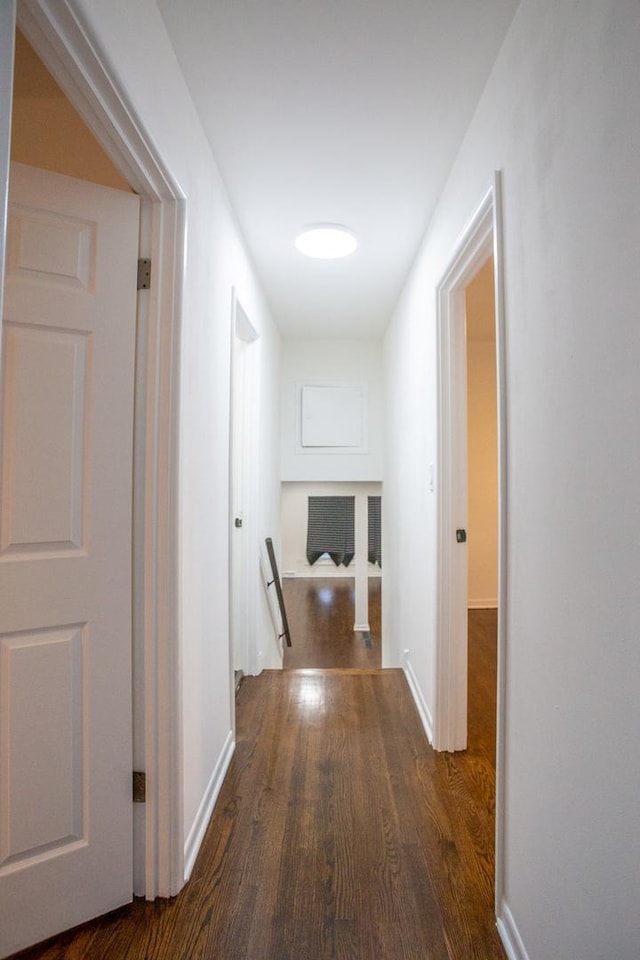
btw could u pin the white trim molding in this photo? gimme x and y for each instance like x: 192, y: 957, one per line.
x: 510, y: 935
x: 503, y: 519
x: 65, y: 44
x: 205, y: 810
x: 418, y: 697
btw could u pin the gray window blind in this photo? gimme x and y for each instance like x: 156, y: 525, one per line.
x: 330, y: 529
x: 375, y: 530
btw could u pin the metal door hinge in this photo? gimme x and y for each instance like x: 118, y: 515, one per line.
x: 139, y: 786
x: 144, y: 273
x: 461, y: 536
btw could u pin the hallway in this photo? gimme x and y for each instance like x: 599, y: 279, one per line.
x: 339, y: 833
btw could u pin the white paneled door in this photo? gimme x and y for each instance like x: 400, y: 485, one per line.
x: 65, y: 554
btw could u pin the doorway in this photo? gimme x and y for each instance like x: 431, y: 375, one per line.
x: 332, y: 573
x: 69, y: 331
x: 65, y: 50
x: 482, y: 512
x: 481, y: 240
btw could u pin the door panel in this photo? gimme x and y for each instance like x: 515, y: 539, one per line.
x: 44, y: 475
x: 45, y: 729
x: 65, y: 555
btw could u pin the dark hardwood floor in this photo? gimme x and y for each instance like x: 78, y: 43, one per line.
x: 482, y: 669
x: 339, y: 833
x: 321, y: 616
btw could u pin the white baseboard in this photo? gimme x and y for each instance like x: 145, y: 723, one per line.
x: 490, y: 604
x: 201, y: 822
x: 511, y: 939
x: 420, y: 702
x: 361, y: 628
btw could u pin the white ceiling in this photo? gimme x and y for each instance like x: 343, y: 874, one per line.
x: 341, y: 111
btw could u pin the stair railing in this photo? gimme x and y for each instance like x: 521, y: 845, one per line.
x: 276, y: 582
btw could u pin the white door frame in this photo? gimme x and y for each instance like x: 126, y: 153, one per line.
x: 73, y: 56
x: 481, y: 238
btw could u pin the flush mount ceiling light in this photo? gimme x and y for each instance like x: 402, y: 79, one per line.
x: 326, y: 241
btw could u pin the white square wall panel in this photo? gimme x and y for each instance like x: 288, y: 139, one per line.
x: 333, y: 415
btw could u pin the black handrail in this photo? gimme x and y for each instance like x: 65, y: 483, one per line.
x: 276, y: 581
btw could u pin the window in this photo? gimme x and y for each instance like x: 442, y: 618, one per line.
x: 330, y: 529
x: 375, y: 530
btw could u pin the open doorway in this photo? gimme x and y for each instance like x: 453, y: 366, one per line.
x: 115, y: 145
x: 66, y: 425
x: 332, y: 449
x: 332, y: 574
x: 481, y: 240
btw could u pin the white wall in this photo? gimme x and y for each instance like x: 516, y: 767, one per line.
x: 331, y: 361
x: 482, y: 433
x: 559, y: 117
x: 294, y: 514
x: 134, y: 40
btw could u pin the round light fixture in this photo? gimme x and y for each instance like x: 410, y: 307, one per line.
x: 326, y: 241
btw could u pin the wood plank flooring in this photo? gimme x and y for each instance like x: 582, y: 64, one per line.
x: 339, y: 833
x: 321, y: 615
